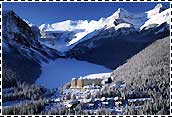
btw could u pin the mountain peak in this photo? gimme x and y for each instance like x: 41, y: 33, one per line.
x: 160, y: 7
x: 120, y: 10
x: 156, y: 10
x: 118, y: 13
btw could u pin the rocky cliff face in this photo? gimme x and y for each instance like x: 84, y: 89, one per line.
x: 17, y: 68
x: 19, y: 35
x: 22, y: 52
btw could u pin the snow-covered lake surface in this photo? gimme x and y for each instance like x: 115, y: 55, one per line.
x: 58, y: 72
x: 14, y: 103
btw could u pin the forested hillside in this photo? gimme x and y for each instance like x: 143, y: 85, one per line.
x: 148, y: 74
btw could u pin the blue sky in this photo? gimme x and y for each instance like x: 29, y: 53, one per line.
x: 38, y: 13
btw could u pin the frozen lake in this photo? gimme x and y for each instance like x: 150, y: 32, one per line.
x: 58, y: 72
x: 15, y: 103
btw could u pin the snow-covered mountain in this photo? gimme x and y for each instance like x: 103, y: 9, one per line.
x: 112, y: 46
x: 18, y: 35
x: 78, y: 38
x: 63, y: 36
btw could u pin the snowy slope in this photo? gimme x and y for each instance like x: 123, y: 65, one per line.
x: 65, y: 35
x: 99, y: 75
x: 158, y: 18
x: 70, y: 32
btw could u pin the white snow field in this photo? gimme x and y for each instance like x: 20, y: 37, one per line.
x: 58, y: 72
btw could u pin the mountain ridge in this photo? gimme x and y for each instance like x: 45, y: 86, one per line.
x: 81, y: 30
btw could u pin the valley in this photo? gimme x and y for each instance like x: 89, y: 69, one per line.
x: 115, y: 65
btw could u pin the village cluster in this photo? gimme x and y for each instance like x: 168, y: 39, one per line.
x: 82, y: 91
